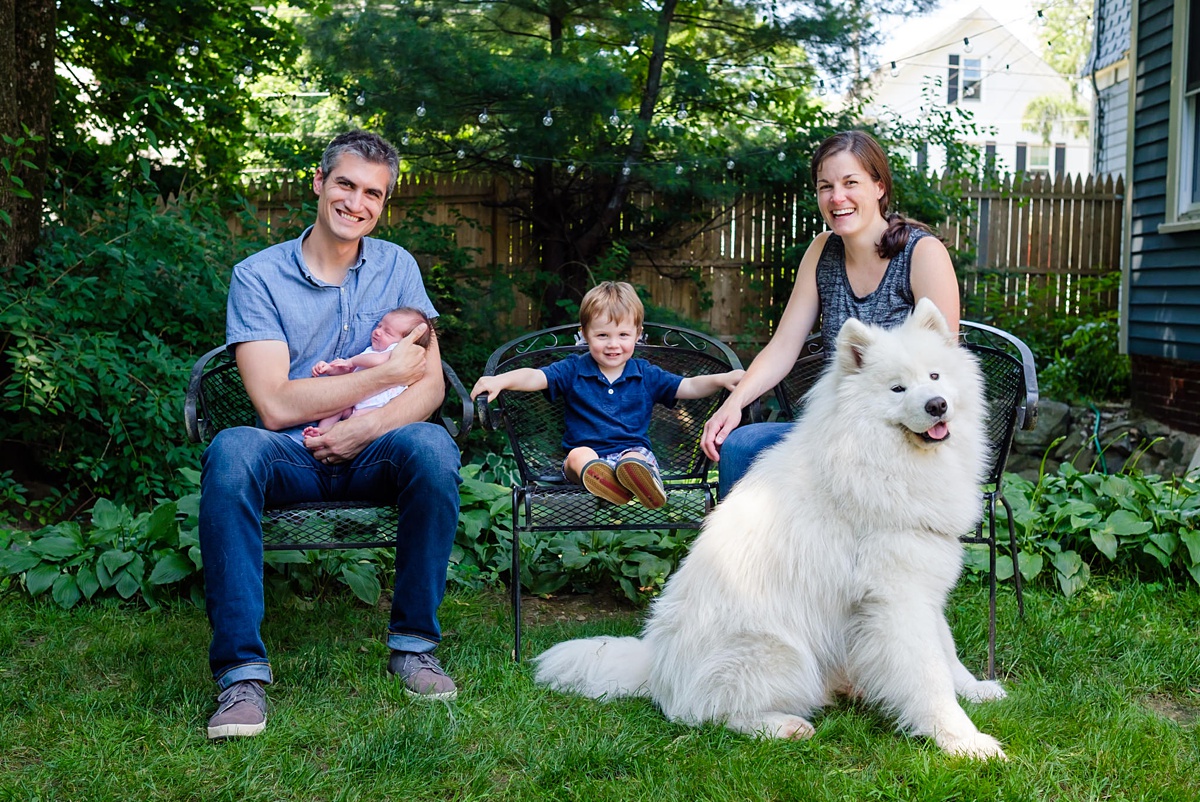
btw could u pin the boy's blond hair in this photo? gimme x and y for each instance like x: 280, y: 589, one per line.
x: 615, y: 300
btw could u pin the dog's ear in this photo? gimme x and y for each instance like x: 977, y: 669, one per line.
x: 852, y: 342
x: 926, y: 315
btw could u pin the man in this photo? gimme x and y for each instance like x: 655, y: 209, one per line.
x: 296, y: 303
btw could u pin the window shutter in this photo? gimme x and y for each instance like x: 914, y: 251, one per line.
x: 952, y: 80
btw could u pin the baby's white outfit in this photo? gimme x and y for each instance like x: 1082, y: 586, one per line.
x: 379, y: 399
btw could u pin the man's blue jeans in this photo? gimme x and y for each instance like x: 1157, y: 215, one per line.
x: 245, y: 469
x: 740, y: 449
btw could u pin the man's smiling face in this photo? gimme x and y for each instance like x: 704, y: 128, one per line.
x: 351, y: 197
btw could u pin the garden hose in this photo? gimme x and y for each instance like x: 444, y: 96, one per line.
x: 1096, y: 440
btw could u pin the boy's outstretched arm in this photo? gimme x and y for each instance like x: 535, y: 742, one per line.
x: 521, y: 379
x: 703, y: 386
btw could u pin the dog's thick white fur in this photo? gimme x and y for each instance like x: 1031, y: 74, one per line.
x: 827, y: 568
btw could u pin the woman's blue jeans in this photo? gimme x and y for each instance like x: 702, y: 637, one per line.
x: 741, y: 448
x: 245, y: 469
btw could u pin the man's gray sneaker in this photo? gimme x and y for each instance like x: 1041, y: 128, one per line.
x: 241, y: 711
x: 422, y: 675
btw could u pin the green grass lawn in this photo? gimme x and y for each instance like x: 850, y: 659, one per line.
x: 110, y: 702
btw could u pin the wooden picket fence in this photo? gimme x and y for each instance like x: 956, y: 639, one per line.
x: 1039, y: 232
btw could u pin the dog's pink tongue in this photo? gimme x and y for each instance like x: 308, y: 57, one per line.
x: 938, y: 431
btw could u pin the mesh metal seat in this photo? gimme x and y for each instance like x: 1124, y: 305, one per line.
x: 1010, y: 387
x: 545, y: 501
x: 216, y: 400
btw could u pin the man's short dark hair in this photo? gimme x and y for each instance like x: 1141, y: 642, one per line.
x: 366, y: 146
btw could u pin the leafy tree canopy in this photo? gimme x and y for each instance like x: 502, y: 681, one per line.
x: 582, y: 102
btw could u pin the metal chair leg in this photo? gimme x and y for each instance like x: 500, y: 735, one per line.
x: 991, y: 665
x: 515, y: 583
x: 1014, y: 547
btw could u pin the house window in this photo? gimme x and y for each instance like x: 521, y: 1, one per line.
x: 952, y: 81
x: 1183, y: 153
x: 1038, y: 159
x: 972, y: 78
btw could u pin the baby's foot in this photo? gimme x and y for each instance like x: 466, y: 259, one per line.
x: 312, y: 431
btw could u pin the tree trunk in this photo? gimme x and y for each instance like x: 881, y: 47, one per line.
x: 27, y: 35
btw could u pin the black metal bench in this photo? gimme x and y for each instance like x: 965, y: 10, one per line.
x: 545, y: 501
x: 1010, y: 385
x: 216, y: 400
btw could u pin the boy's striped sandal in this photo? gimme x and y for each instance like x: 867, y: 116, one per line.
x: 642, y: 481
x: 600, y: 480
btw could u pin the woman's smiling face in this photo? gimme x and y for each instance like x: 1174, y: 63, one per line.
x: 847, y: 195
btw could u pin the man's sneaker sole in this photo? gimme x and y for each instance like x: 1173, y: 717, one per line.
x: 236, y: 730
x: 445, y: 696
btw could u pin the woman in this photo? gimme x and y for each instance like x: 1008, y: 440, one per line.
x: 869, y: 265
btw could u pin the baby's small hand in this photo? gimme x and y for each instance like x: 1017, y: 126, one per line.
x: 321, y: 368
x: 732, y: 378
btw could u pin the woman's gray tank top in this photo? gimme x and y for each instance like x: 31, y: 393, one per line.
x: 888, y: 305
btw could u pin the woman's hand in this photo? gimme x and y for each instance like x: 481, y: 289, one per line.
x: 718, y: 427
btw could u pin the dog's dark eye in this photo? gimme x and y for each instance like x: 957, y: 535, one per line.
x: 934, y: 376
x: 897, y: 388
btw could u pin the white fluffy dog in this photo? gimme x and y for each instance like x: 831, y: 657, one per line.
x: 827, y: 568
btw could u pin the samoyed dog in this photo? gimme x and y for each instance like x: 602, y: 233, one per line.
x: 826, y: 569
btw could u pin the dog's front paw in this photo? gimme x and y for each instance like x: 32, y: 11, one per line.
x: 979, y: 746
x: 982, y: 691
x: 772, y: 725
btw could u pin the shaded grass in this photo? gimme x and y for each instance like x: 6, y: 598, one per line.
x: 110, y: 702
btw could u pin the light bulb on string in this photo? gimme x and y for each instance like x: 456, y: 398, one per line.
x: 125, y: 20
x: 571, y: 168
x: 179, y: 50
x: 141, y: 25
x: 729, y: 164
x: 781, y: 155
x: 461, y: 153
x: 517, y: 161
x: 404, y: 139
x: 752, y: 104
x: 682, y: 114
x: 614, y: 118
x: 548, y: 120
x: 967, y: 46
x: 484, y: 116
x: 194, y: 50
x: 679, y: 169
x: 894, y: 70
x: 248, y: 69
x: 361, y: 100
x: 821, y: 88
x: 626, y: 170
x: 421, y: 110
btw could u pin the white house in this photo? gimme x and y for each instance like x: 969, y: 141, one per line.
x: 992, y: 69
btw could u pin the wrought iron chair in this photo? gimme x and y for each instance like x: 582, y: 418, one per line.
x: 545, y: 501
x: 1010, y: 386
x: 216, y: 400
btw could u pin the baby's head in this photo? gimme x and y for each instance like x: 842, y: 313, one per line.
x: 398, y: 324
x: 610, y: 320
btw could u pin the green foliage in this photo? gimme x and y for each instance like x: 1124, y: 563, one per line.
x: 1073, y: 523
x: 16, y: 154
x: 176, y: 76
x: 1076, y: 351
x: 99, y: 335
x: 118, y: 553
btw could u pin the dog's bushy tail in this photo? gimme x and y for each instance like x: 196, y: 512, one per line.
x: 602, y: 667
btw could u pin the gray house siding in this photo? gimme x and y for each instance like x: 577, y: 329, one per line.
x: 1163, y: 322
x: 1108, y: 68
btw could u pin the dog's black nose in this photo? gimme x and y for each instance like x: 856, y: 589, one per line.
x: 936, y: 406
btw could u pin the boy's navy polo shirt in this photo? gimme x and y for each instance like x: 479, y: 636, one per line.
x: 608, y: 417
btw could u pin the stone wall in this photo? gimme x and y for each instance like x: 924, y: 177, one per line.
x: 1123, y: 435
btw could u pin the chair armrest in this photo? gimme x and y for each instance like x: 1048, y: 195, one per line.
x: 1027, y: 413
x: 460, y: 428
x: 193, y: 403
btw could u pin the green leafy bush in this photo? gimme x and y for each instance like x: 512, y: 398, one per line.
x: 1073, y: 523
x: 1077, y: 354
